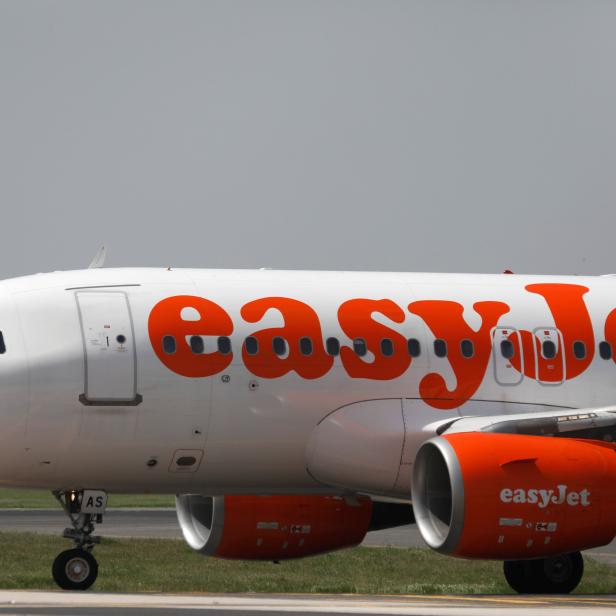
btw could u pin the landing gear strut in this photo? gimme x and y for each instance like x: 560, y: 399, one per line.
x: 77, y: 569
x: 556, y: 575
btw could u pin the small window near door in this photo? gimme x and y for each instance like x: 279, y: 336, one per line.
x: 169, y: 345
x: 507, y: 349
x: 605, y: 350
x: 579, y: 349
x: 548, y: 349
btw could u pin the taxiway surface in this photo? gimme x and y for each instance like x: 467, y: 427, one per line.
x: 103, y: 604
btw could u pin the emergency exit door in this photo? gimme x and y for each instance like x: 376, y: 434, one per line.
x: 109, y: 349
x: 506, y: 344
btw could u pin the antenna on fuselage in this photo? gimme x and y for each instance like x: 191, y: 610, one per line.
x: 99, y: 258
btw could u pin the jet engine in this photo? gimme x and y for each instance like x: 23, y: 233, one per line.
x: 281, y: 527
x: 507, y: 496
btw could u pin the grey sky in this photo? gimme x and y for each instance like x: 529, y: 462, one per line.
x: 426, y: 136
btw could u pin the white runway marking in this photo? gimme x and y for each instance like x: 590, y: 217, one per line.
x: 35, y: 602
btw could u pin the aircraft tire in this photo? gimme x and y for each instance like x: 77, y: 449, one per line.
x: 75, y: 569
x: 555, y: 575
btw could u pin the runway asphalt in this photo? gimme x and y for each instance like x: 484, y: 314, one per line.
x: 103, y: 604
x: 163, y: 523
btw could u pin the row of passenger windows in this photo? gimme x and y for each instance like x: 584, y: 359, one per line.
x: 306, y: 347
x: 548, y: 349
x: 413, y: 347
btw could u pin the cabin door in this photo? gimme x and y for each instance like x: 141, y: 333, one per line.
x: 109, y: 349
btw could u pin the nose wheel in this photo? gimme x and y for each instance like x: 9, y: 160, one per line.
x: 77, y: 569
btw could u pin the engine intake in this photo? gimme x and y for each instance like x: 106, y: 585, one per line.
x: 272, y: 527
x: 503, y: 496
x: 438, y: 495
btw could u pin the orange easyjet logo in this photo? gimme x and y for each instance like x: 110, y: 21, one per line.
x: 361, y: 318
x: 544, y: 497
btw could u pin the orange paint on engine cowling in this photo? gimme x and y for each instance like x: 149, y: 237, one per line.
x: 282, y: 527
x: 506, y: 516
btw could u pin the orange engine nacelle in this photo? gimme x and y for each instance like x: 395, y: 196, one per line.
x: 271, y: 527
x: 510, y: 497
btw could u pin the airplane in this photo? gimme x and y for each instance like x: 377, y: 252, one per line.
x: 291, y: 412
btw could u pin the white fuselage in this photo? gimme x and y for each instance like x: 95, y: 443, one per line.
x: 86, y: 400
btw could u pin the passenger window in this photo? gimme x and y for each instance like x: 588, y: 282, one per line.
x: 196, y: 345
x: 333, y: 346
x: 305, y: 346
x: 414, y: 347
x: 548, y: 349
x: 359, y: 346
x: 279, y: 345
x: 252, y: 345
x: 440, y: 348
x: 467, y: 349
x: 2, y: 345
x: 507, y: 349
x: 579, y: 349
x: 169, y: 345
x: 387, y: 347
x: 224, y: 345
x: 605, y: 350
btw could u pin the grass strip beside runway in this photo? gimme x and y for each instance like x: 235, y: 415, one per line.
x: 165, y: 565
x: 18, y: 498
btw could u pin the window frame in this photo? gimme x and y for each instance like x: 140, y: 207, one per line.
x: 192, y: 346
x: 472, y: 348
x: 336, y: 343
x: 306, y: 352
x: 413, y: 347
x: 438, y: 342
x: 360, y: 343
x: 219, y: 344
x: 169, y: 350
x: 252, y: 340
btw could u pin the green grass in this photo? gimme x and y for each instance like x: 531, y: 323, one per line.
x: 43, y: 499
x: 165, y: 565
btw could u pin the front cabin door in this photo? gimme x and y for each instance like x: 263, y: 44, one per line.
x: 109, y: 349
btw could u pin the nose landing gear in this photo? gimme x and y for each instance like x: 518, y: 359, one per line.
x: 77, y: 569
